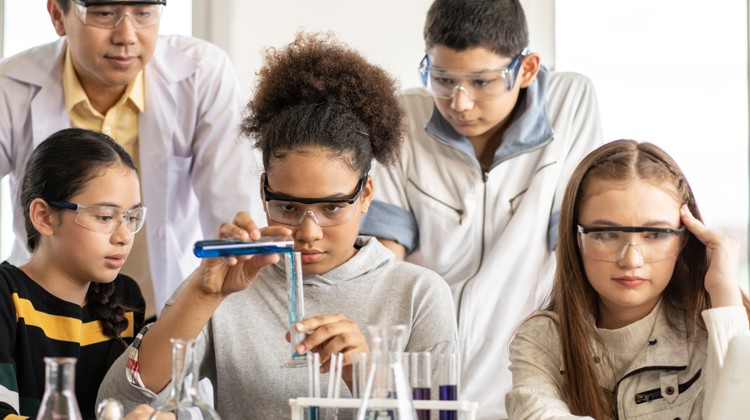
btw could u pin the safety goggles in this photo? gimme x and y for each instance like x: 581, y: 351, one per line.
x: 109, y: 14
x: 105, y: 219
x: 478, y: 85
x: 612, y: 243
x: 324, y: 211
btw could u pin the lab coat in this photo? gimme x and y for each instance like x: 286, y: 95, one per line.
x: 195, y: 172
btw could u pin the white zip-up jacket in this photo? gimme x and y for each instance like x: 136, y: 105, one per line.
x: 195, y: 173
x: 489, y: 234
x: 674, y: 376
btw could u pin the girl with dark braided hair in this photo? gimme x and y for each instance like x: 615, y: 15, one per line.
x: 81, y: 204
x: 320, y: 115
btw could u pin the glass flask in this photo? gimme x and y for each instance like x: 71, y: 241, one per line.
x: 386, y: 379
x: 59, y: 400
x: 184, y: 401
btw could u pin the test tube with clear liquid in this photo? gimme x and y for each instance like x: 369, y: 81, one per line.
x: 293, y: 265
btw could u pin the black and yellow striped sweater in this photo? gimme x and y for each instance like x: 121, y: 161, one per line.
x: 35, y: 324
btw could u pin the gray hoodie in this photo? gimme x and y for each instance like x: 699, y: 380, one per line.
x: 243, y: 346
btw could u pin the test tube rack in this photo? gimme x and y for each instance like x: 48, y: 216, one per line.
x: 298, y: 405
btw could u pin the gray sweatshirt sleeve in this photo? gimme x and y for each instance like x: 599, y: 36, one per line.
x: 434, y: 316
x: 117, y: 382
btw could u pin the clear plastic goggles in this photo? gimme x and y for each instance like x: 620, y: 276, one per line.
x: 479, y: 86
x: 612, y: 243
x: 105, y: 219
x: 324, y: 211
x: 109, y: 14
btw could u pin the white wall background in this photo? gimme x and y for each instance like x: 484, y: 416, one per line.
x: 675, y: 73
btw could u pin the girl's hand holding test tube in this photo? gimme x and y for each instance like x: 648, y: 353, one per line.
x: 214, y: 280
x: 224, y: 276
x: 332, y: 333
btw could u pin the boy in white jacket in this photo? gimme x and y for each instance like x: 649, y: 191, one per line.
x: 476, y: 191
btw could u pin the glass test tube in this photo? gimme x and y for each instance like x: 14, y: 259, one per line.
x: 293, y: 264
x: 313, y: 376
x: 359, y: 374
x: 448, y: 371
x: 420, y: 379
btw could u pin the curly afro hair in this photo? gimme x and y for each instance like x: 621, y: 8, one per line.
x: 317, y: 92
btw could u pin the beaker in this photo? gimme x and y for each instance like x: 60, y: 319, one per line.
x: 184, y: 401
x: 59, y: 400
x: 386, y: 379
x: 293, y: 265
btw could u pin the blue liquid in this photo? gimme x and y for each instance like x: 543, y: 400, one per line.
x: 448, y: 393
x: 293, y: 315
x: 421, y: 394
x: 213, y: 248
x: 293, y: 293
x: 313, y: 413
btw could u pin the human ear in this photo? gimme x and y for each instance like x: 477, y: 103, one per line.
x: 56, y: 14
x: 42, y: 217
x: 530, y: 66
x: 367, y: 194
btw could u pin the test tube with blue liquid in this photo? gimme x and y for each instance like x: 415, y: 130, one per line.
x: 420, y: 379
x: 448, y: 372
x: 215, y: 248
x: 313, y: 373
x: 293, y: 264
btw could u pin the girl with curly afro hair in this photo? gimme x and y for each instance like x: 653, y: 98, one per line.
x: 321, y: 114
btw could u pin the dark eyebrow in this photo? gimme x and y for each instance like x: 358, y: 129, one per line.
x: 108, y: 204
x: 609, y: 223
x: 338, y: 197
x: 439, y: 70
x: 294, y: 198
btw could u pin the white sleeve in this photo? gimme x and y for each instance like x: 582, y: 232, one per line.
x: 722, y: 324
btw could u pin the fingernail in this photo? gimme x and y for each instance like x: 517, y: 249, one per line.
x: 300, y: 348
x: 298, y: 326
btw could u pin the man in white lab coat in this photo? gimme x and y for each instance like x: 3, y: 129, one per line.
x: 172, y: 102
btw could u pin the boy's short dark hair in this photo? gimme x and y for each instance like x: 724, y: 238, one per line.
x: 499, y: 25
